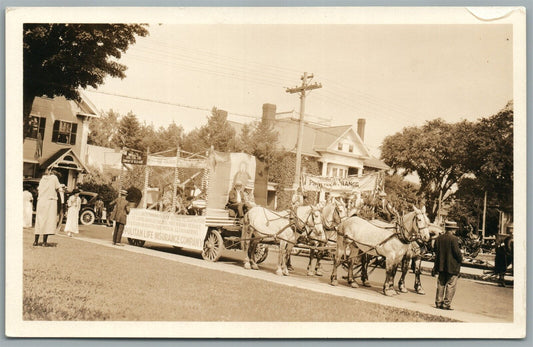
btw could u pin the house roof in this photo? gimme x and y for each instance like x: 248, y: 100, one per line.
x: 59, y: 160
x: 376, y: 163
x: 326, y: 136
x: 63, y: 109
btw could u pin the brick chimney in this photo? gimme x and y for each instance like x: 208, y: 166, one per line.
x: 361, y: 128
x: 269, y: 113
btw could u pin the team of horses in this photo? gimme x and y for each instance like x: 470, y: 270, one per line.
x: 349, y: 238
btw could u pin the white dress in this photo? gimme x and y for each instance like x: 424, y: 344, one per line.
x: 27, y: 199
x: 74, y: 204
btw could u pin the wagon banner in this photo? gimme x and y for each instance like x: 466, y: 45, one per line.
x: 166, y: 228
x: 345, y: 184
x: 175, y: 162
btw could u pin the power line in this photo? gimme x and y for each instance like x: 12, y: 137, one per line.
x: 170, y: 103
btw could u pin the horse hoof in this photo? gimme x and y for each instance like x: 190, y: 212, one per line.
x: 334, y: 283
x: 366, y: 284
x: 421, y: 291
x: 403, y: 290
x: 279, y: 272
x: 255, y: 267
x: 285, y: 272
x: 247, y: 266
x: 354, y: 285
x: 309, y: 273
x: 389, y: 292
x: 318, y: 273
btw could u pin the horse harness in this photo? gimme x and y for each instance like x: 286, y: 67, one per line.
x: 400, y: 232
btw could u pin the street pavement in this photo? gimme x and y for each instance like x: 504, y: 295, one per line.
x: 475, y: 300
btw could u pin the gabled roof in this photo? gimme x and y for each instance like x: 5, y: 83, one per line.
x: 326, y: 136
x: 62, y: 109
x: 57, y: 160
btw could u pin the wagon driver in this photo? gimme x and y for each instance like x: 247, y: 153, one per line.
x: 236, y: 199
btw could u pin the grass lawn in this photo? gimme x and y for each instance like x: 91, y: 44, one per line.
x: 78, y: 280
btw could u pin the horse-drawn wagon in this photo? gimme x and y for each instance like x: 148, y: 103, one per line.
x: 212, y: 227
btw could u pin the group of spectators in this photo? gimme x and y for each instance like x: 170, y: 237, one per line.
x: 50, y: 195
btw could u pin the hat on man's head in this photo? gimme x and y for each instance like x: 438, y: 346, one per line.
x: 238, y: 183
x: 450, y: 225
x: 75, y: 191
x: 123, y: 192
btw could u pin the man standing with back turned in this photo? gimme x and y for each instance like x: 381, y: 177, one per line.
x: 448, y: 259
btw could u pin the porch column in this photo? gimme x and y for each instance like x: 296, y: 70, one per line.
x: 359, y: 171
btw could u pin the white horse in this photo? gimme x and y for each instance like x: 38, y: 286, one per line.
x: 263, y: 225
x: 359, y: 236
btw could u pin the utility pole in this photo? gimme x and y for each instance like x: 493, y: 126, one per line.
x: 301, y: 89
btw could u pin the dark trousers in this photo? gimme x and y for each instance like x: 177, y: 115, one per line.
x: 446, y: 286
x: 238, y: 208
x: 117, y: 233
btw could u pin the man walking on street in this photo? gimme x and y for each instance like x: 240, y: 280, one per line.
x: 119, y: 215
x: 448, y: 259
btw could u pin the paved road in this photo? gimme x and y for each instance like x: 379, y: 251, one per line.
x: 474, y: 300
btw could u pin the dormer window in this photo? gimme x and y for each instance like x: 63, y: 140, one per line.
x: 37, y: 125
x: 339, y: 147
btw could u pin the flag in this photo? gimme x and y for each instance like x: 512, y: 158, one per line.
x: 39, y: 147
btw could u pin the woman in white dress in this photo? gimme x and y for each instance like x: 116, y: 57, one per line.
x: 74, y: 204
x: 27, y: 199
x: 46, y: 218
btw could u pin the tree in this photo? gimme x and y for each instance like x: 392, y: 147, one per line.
x: 103, y: 129
x: 218, y: 132
x: 129, y: 133
x: 264, y: 142
x: 401, y: 193
x: 490, y: 149
x: 436, y: 152
x: 60, y: 58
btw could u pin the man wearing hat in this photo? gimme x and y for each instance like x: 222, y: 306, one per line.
x: 119, y: 215
x: 448, y: 259
x: 236, y: 199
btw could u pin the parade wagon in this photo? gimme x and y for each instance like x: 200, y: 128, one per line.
x: 190, y: 211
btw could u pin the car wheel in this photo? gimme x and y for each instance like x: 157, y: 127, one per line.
x: 87, y: 217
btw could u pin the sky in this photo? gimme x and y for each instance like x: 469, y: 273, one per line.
x: 392, y: 75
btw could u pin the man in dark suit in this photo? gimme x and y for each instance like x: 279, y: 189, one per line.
x: 448, y: 259
x: 119, y: 215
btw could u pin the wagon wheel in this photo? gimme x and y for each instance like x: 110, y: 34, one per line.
x: 213, y: 245
x: 135, y: 242
x: 261, y: 253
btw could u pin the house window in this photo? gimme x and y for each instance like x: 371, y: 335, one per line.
x: 37, y: 125
x: 334, y: 172
x: 350, y: 149
x: 64, y: 132
x: 339, y: 146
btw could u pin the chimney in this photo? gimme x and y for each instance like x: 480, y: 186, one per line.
x: 223, y: 114
x: 361, y: 128
x: 269, y: 113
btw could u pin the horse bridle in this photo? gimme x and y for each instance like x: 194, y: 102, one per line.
x: 408, y: 236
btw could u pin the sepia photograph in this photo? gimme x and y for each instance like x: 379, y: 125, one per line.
x: 314, y: 172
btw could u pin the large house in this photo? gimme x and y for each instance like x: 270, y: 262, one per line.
x: 340, y: 150
x: 58, y: 138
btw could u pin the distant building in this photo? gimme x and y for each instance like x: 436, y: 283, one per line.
x: 340, y: 149
x: 58, y: 138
